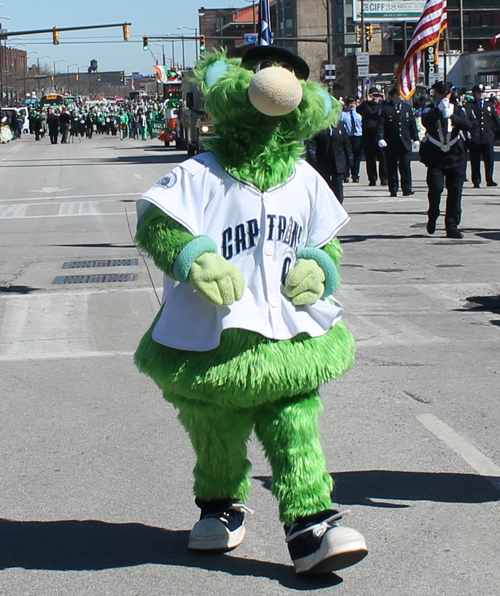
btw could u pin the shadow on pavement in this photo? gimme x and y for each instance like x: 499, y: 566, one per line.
x: 483, y: 304
x: 91, y: 545
x: 361, y: 238
x: 98, y: 245
x: 360, y: 487
x: 17, y: 289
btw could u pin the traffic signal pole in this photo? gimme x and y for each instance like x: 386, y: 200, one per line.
x: 8, y: 34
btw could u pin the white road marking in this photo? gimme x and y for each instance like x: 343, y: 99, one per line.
x: 30, y: 199
x: 80, y: 208
x: 476, y: 460
x: 44, y: 323
x: 138, y: 176
x: 12, y: 211
x: 50, y: 189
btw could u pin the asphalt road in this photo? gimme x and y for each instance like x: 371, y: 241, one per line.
x: 95, y: 483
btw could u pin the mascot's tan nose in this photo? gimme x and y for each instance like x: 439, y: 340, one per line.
x: 275, y: 91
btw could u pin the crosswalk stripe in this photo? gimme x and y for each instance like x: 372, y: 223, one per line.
x: 12, y: 211
x: 80, y: 208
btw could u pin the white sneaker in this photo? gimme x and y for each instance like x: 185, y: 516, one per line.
x: 317, y: 544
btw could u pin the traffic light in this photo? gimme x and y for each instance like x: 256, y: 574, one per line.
x: 369, y: 32
x: 145, y: 43
x: 122, y: 77
x: 203, y: 47
x: 359, y: 34
x: 55, y: 36
x: 99, y: 78
x: 126, y: 32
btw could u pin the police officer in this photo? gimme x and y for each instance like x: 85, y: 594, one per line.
x: 443, y: 152
x: 371, y: 111
x: 332, y: 155
x: 485, y: 127
x: 397, y: 132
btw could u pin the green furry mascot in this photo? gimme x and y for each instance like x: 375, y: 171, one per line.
x: 248, y: 329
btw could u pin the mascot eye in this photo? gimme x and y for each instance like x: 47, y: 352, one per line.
x: 288, y: 67
x: 215, y: 71
x: 263, y: 64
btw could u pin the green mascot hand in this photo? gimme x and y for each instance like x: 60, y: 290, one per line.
x: 305, y: 283
x: 217, y: 279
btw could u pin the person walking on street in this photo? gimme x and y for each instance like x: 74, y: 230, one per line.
x: 398, y: 133
x: 123, y: 123
x: 36, y: 123
x: 485, y: 128
x: 53, y: 126
x: 353, y: 124
x: 332, y: 154
x: 65, y: 125
x: 371, y: 111
x: 443, y: 152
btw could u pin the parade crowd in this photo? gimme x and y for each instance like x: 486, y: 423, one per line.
x: 126, y: 119
x: 447, y: 128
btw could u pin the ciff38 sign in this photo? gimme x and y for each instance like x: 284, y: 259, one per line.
x: 389, y: 11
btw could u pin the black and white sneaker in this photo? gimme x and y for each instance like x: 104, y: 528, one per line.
x: 317, y: 544
x: 220, y: 527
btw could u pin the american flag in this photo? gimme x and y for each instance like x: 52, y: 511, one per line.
x: 265, y: 38
x: 430, y: 26
x: 495, y: 41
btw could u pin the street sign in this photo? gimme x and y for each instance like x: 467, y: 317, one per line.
x: 363, y: 71
x: 363, y: 58
x: 329, y: 72
x: 251, y: 37
x: 381, y: 11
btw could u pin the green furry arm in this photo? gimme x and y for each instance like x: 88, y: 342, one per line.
x: 162, y: 238
x: 334, y: 251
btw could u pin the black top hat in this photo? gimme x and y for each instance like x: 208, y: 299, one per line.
x: 257, y: 53
x: 442, y: 88
x: 479, y: 88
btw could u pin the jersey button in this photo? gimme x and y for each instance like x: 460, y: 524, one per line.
x: 269, y: 250
x: 273, y: 301
x: 267, y: 197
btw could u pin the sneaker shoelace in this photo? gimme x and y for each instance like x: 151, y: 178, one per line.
x: 223, y: 515
x: 320, y: 529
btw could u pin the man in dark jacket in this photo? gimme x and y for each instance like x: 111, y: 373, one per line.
x: 397, y: 132
x: 332, y: 153
x: 485, y: 128
x: 65, y: 125
x: 443, y: 153
x: 371, y: 111
x: 53, y: 126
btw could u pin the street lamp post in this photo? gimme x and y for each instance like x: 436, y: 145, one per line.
x: 195, y: 41
x: 68, y: 67
x: 78, y: 80
x: 38, y: 69
x: 1, y: 63
x: 26, y: 72
x: 56, y: 62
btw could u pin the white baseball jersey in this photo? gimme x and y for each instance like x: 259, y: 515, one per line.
x: 260, y: 232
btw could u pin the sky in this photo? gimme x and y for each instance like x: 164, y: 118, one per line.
x: 78, y: 48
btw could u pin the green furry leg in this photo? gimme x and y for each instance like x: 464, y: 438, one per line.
x: 289, y: 433
x: 219, y: 436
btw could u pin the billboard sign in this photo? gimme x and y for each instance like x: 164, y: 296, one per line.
x: 388, y: 11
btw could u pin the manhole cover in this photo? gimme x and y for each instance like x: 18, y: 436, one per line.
x: 104, y: 263
x: 95, y: 279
